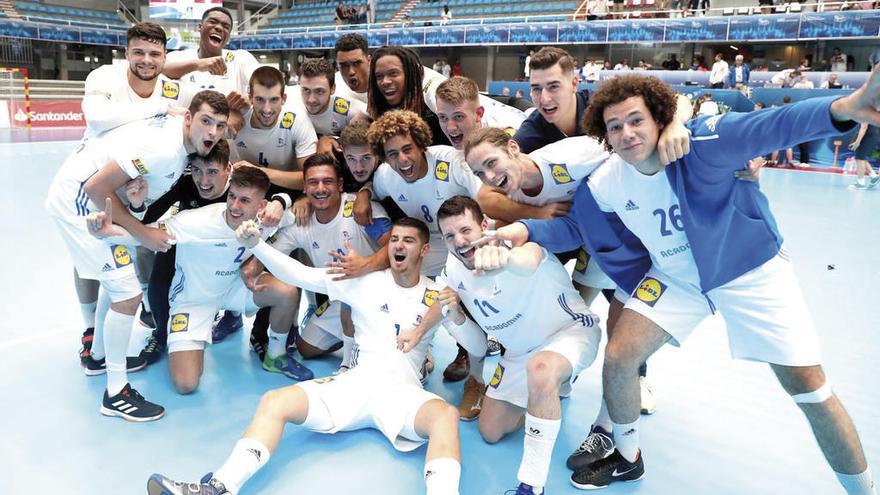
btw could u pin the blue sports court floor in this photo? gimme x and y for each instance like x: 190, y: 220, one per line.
x: 721, y: 427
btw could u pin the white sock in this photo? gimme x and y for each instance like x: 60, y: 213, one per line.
x: 100, y: 315
x: 603, y: 419
x: 860, y: 181
x: 347, y: 345
x: 247, y: 457
x: 442, y: 476
x: 476, y: 369
x: 857, y: 484
x: 88, y: 313
x: 626, y: 439
x: 145, y: 300
x: 117, y: 330
x: 537, y: 448
x: 277, y: 343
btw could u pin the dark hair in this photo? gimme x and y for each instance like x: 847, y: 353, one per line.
x: 413, y: 97
x: 321, y: 160
x: 355, y: 134
x: 352, y: 41
x: 267, y: 77
x: 659, y: 98
x: 249, y: 176
x: 147, y: 31
x: 315, y: 67
x: 398, y: 123
x: 549, y: 56
x: 786, y: 99
x: 219, y: 154
x: 456, y: 206
x: 213, y: 99
x: 223, y: 10
x: 415, y: 223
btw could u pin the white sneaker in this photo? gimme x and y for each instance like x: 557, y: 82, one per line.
x: 649, y: 402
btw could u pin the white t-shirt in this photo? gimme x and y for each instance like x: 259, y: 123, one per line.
x: 563, y: 165
x: 649, y: 208
x: 240, y: 64
x: 110, y: 102
x: 708, y: 108
x: 720, y: 72
x: 317, y: 239
x: 208, y: 255
x: 497, y: 114
x: 152, y: 148
x: 335, y: 117
x: 278, y: 147
x: 520, y: 311
x: 342, y: 90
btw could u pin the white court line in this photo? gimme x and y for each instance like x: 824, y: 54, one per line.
x: 31, y: 338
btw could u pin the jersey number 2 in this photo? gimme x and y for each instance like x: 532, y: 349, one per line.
x: 240, y: 254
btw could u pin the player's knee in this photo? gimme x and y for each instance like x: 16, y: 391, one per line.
x: 619, y: 356
x: 272, y: 404
x: 817, y: 396
x: 490, y: 432
x: 447, y: 415
x: 186, y: 385
x: 543, y: 376
x: 308, y: 351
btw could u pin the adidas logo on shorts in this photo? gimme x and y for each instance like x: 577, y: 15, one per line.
x: 630, y: 206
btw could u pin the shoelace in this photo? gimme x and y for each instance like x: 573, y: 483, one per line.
x: 152, y: 346
x: 594, y: 440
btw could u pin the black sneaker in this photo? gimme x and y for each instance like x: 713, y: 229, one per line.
x: 259, y: 347
x: 131, y: 406
x: 153, y: 351
x: 86, y: 340
x: 608, y: 470
x: 146, y: 318
x: 225, y: 325
x: 95, y: 367
x: 162, y: 485
x: 290, y: 343
x: 598, y: 445
x: 493, y: 347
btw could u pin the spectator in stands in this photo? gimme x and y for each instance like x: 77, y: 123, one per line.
x: 803, y: 83
x: 839, y: 60
x: 446, y: 70
x: 738, y: 75
x: 341, y: 14
x: 766, y: 6
x: 407, y: 21
x: 590, y: 72
x: 622, y: 65
x: 438, y: 65
x: 832, y: 82
x: 371, y: 11
x: 527, y: 69
x: 719, y: 72
x: 505, y: 91
x: 805, y: 65
x: 606, y: 65
x: 520, y: 94
x: 672, y: 62
x: 706, y: 106
x: 786, y: 78
x: 617, y: 8
x: 697, y: 64
x: 596, y: 9
x: 361, y: 16
x: 446, y: 16
x: 643, y: 65
x: 456, y: 69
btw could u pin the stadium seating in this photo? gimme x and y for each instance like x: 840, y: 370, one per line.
x: 39, y: 10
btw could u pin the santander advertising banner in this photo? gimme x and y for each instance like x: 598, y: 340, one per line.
x: 48, y: 113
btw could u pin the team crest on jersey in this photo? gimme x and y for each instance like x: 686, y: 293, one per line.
x: 340, y: 106
x: 560, y: 173
x: 179, y: 322
x: 230, y: 56
x: 581, y: 265
x: 139, y: 165
x: 650, y: 291
x: 429, y: 297
x: 287, y: 120
x: 322, y: 308
x: 496, y: 378
x: 441, y: 171
x: 171, y: 90
x: 120, y: 255
x: 348, y: 209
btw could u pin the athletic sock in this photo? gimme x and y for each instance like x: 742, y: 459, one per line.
x: 537, y: 448
x: 476, y: 368
x: 145, y: 300
x: 277, y: 343
x: 117, y: 330
x: 88, y: 313
x: 626, y: 439
x: 247, y: 457
x: 442, y: 476
x: 603, y: 419
x: 101, y: 310
x: 347, y: 345
x: 857, y: 484
x: 860, y: 181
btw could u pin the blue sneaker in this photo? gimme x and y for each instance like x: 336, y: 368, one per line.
x: 287, y: 366
x: 227, y: 324
x: 162, y: 485
x: 524, y: 489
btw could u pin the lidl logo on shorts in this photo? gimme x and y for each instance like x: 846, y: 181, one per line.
x: 230, y: 56
x: 139, y: 165
x: 348, y: 209
x: 441, y: 171
x: 171, y: 90
x: 496, y: 378
x: 583, y: 259
x: 322, y: 308
x: 429, y: 297
x: 120, y: 255
x: 560, y: 173
x: 340, y: 106
x: 650, y: 291
x: 287, y: 120
x: 326, y: 379
x: 179, y: 322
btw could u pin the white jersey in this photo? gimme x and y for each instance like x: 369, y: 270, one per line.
x: 240, y: 64
x: 278, y: 147
x: 342, y: 90
x: 152, y: 148
x: 563, y: 165
x: 522, y: 312
x: 649, y: 208
x: 317, y: 239
x: 502, y: 116
x: 447, y: 176
x: 110, y: 102
x: 208, y: 255
x: 339, y: 112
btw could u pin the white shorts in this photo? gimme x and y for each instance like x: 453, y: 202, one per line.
x: 576, y: 343
x: 587, y: 272
x: 765, y: 312
x: 383, y: 394
x: 325, y: 328
x: 94, y: 259
x: 189, y: 323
